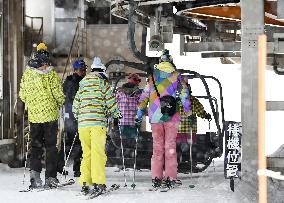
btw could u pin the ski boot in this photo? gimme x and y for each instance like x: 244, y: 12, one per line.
x: 156, y: 183
x: 168, y: 183
x: 51, y: 182
x: 35, y: 180
x: 77, y: 174
x: 98, y: 190
x: 85, y: 189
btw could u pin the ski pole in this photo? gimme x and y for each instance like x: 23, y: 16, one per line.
x: 66, y: 159
x: 122, y: 153
x: 135, y: 158
x: 26, y: 155
x: 64, y: 149
x: 64, y: 142
x: 190, y: 149
x: 210, y: 135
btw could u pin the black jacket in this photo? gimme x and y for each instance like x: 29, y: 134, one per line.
x: 70, y: 88
x: 130, y: 89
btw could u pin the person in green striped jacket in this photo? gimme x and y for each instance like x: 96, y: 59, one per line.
x: 93, y: 102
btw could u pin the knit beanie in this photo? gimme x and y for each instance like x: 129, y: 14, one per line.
x: 97, y: 65
x: 134, y: 78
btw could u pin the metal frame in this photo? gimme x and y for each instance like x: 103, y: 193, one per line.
x: 220, y: 128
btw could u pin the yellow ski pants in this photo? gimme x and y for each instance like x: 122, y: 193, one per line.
x: 93, y: 140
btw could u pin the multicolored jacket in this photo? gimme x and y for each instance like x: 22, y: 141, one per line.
x: 42, y: 93
x: 197, y: 110
x: 166, y: 79
x: 128, y: 99
x: 94, y: 101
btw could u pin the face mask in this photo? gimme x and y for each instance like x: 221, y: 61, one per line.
x: 47, y: 70
x: 104, y: 75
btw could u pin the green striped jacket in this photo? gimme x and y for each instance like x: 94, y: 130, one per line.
x: 94, y: 101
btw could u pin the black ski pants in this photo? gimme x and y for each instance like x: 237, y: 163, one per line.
x: 44, y: 135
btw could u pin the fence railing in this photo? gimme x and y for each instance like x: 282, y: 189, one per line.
x: 33, y: 33
x: 78, y: 46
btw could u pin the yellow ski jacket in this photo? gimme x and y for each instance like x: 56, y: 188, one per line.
x: 42, y: 93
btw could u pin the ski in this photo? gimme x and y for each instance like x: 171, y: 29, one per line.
x: 69, y: 182
x: 166, y: 188
x: 107, y: 191
x: 154, y: 189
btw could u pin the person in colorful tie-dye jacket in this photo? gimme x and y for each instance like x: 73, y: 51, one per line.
x: 93, y: 102
x: 164, y: 127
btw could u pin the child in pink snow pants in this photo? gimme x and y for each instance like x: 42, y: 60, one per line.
x: 164, y: 144
x: 164, y: 81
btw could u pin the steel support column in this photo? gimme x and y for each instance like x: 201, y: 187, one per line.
x: 252, y: 13
x: 13, y: 24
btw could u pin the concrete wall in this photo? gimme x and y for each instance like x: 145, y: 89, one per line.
x: 45, y: 9
x: 108, y: 41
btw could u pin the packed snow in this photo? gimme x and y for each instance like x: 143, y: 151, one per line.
x: 210, y: 186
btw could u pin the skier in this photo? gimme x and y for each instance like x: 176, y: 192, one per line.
x: 70, y: 88
x: 160, y: 93
x: 41, y: 91
x: 188, y: 125
x: 186, y: 122
x: 93, y: 102
x: 127, y: 97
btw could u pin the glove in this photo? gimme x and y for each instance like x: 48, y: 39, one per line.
x: 138, y: 122
x: 115, y: 122
x: 120, y: 115
x: 208, y: 117
x: 66, y: 115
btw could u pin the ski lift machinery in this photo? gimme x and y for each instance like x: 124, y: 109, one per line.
x: 207, y: 146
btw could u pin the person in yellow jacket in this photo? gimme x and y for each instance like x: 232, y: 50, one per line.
x: 42, y: 93
x: 93, y: 102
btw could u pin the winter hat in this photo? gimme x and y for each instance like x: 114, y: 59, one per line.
x: 40, y: 59
x: 134, y: 78
x: 78, y: 64
x: 41, y: 46
x: 33, y: 63
x: 166, y: 56
x: 97, y: 65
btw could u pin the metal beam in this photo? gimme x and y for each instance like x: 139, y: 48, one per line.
x: 252, y: 13
x: 220, y: 54
x: 274, y: 105
x: 212, y: 46
x: 280, y: 9
x: 276, y: 47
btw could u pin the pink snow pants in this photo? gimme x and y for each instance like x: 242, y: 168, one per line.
x: 164, y: 149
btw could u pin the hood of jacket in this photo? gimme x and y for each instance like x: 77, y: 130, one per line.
x: 165, y: 67
x: 74, y: 77
x: 129, y: 89
x: 50, y: 68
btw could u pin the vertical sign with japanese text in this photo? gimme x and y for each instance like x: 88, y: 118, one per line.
x: 233, y: 150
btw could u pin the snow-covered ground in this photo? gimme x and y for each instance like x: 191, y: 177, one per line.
x: 210, y: 186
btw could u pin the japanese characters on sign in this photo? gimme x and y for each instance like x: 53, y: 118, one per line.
x: 232, y: 158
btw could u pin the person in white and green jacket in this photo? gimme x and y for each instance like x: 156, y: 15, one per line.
x: 93, y: 102
x: 42, y: 93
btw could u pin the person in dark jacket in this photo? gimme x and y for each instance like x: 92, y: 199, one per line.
x: 70, y: 88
